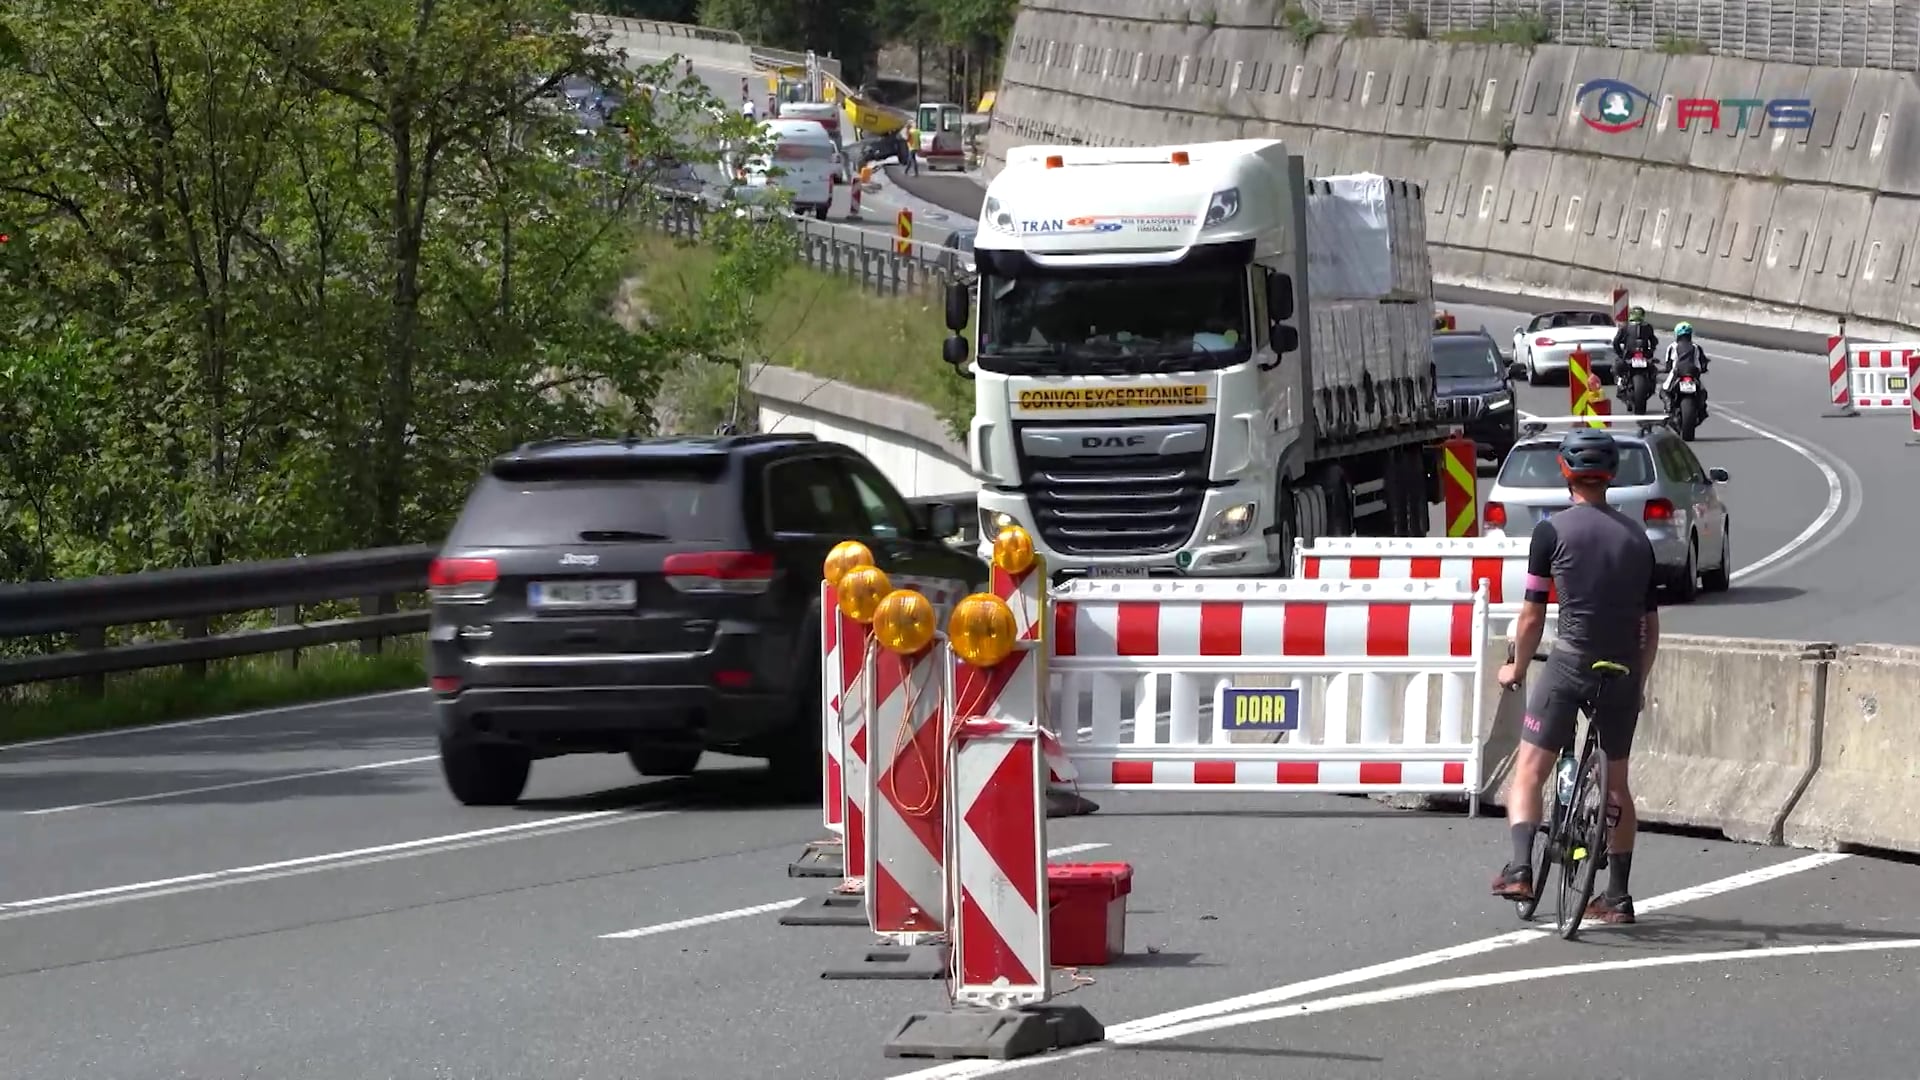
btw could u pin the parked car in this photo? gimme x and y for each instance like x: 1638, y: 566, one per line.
x: 658, y: 598
x: 1542, y: 346
x: 1473, y: 390
x: 1660, y: 483
x: 958, y: 252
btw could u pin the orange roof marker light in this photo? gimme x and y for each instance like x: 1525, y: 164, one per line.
x: 1180, y: 158
x: 1055, y: 161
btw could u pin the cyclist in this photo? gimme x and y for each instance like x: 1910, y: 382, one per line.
x: 1601, y: 564
x: 1635, y: 333
x: 1685, y: 357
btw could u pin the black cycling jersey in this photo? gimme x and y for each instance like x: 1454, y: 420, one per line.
x: 1600, y: 563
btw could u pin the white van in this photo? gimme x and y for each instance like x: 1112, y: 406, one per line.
x: 805, y: 155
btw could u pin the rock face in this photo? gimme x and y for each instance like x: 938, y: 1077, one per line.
x: 1532, y: 185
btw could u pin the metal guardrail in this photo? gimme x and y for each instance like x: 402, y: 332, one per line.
x: 84, y: 609
x: 867, y: 255
x: 657, y: 28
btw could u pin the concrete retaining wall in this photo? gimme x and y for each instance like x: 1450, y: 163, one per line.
x: 1790, y: 229
x: 907, y: 440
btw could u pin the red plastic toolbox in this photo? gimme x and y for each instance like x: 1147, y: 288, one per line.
x: 1087, y: 912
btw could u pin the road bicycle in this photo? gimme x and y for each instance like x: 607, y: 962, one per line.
x: 1576, y: 832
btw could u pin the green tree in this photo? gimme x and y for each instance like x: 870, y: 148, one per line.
x: 840, y: 28
x: 288, y: 275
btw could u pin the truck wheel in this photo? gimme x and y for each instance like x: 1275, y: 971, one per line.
x: 665, y: 760
x: 1407, y: 493
x: 481, y: 774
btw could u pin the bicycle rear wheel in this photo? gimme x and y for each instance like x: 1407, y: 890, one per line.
x: 1585, y: 841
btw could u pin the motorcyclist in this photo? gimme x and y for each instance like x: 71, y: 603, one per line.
x: 1685, y: 357
x: 1636, y: 333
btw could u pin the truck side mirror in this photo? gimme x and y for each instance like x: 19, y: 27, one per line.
x: 1279, y: 296
x: 1284, y: 338
x: 959, y: 298
x: 954, y: 351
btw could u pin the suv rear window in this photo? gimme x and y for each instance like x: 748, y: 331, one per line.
x: 536, y: 513
x: 1538, y: 466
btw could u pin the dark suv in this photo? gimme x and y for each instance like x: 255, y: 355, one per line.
x: 658, y: 598
x: 1474, y: 390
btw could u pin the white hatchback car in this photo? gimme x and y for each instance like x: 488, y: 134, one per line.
x: 1660, y: 482
x: 1542, y: 346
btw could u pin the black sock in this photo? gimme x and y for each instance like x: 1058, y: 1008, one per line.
x: 1619, y: 865
x: 1523, y: 843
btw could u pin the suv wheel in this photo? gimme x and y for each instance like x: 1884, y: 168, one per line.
x: 481, y: 774
x: 665, y: 760
x: 795, y: 758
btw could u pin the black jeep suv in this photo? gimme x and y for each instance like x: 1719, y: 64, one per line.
x: 656, y: 597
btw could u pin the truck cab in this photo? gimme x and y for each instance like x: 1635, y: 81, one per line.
x: 1144, y: 376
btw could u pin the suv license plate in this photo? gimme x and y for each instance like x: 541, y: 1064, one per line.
x: 1116, y: 571
x: 549, y: 595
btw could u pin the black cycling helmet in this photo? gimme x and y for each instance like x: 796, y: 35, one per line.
x: 1589, y: 454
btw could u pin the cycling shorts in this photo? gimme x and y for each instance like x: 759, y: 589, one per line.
x: 1553, y: 705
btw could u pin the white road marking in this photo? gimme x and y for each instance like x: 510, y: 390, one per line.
x: 428, y: 845
x: 1840, y: 478
x: 158, y: 795
x: 1506, y: 978
x: 142, y: 729
x: 702, y: 920
x: 776, y: 905
x: 1133, y: 1029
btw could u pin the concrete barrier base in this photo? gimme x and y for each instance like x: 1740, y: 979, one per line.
x: 1867, y: 790
x: 1730, y: 734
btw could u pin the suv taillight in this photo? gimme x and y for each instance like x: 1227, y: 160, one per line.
x: 462, y: 581
x: 738, y: 572
x: 1495, y: 516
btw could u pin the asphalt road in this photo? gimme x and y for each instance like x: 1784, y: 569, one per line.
x: 362, y: 924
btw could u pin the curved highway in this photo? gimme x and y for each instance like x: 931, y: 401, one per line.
x: 292, y: 893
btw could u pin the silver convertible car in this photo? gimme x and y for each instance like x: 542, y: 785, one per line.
x: 1660, y: 482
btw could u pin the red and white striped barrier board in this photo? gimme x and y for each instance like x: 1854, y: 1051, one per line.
x: 1026, y: 595
x: 834, y: 627
x: 1880, y: 376
x: 1500, y: 562
x: 840, y: 670
x: 1620, y: 308
x: 856, y: 644
x: 1277, y: 658
x: 905, y: 839
x: 997, y: 854
x: 1839, y: 373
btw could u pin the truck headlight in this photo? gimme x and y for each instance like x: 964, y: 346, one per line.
x: 1223, y: 206
x: 992, y: 521
x: 1232, y: 523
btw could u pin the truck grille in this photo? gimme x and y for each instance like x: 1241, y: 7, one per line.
x: 1461, y: 408
x: 1117, y: 505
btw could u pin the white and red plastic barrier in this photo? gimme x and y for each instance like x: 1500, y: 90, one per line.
x: 1217, y: 646
x: 1872, y: 377
x: 1499, y: 562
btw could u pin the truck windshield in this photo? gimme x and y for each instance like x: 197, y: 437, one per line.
x: 1113, y: 321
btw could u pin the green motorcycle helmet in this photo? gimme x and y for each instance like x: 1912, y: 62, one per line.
x: 1684, y: 329
x: 1638, y: 314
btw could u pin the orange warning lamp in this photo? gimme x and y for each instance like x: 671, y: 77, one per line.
x: 1180, y: 158
x: 1055, y: 161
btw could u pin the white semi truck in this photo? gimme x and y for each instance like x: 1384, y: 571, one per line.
x: 1190, y: 355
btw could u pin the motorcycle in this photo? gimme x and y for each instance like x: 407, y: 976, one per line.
x: 1636, y: 385
x: 1684, y: 409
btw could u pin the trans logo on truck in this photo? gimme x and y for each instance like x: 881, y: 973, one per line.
x: 1070, y: 225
